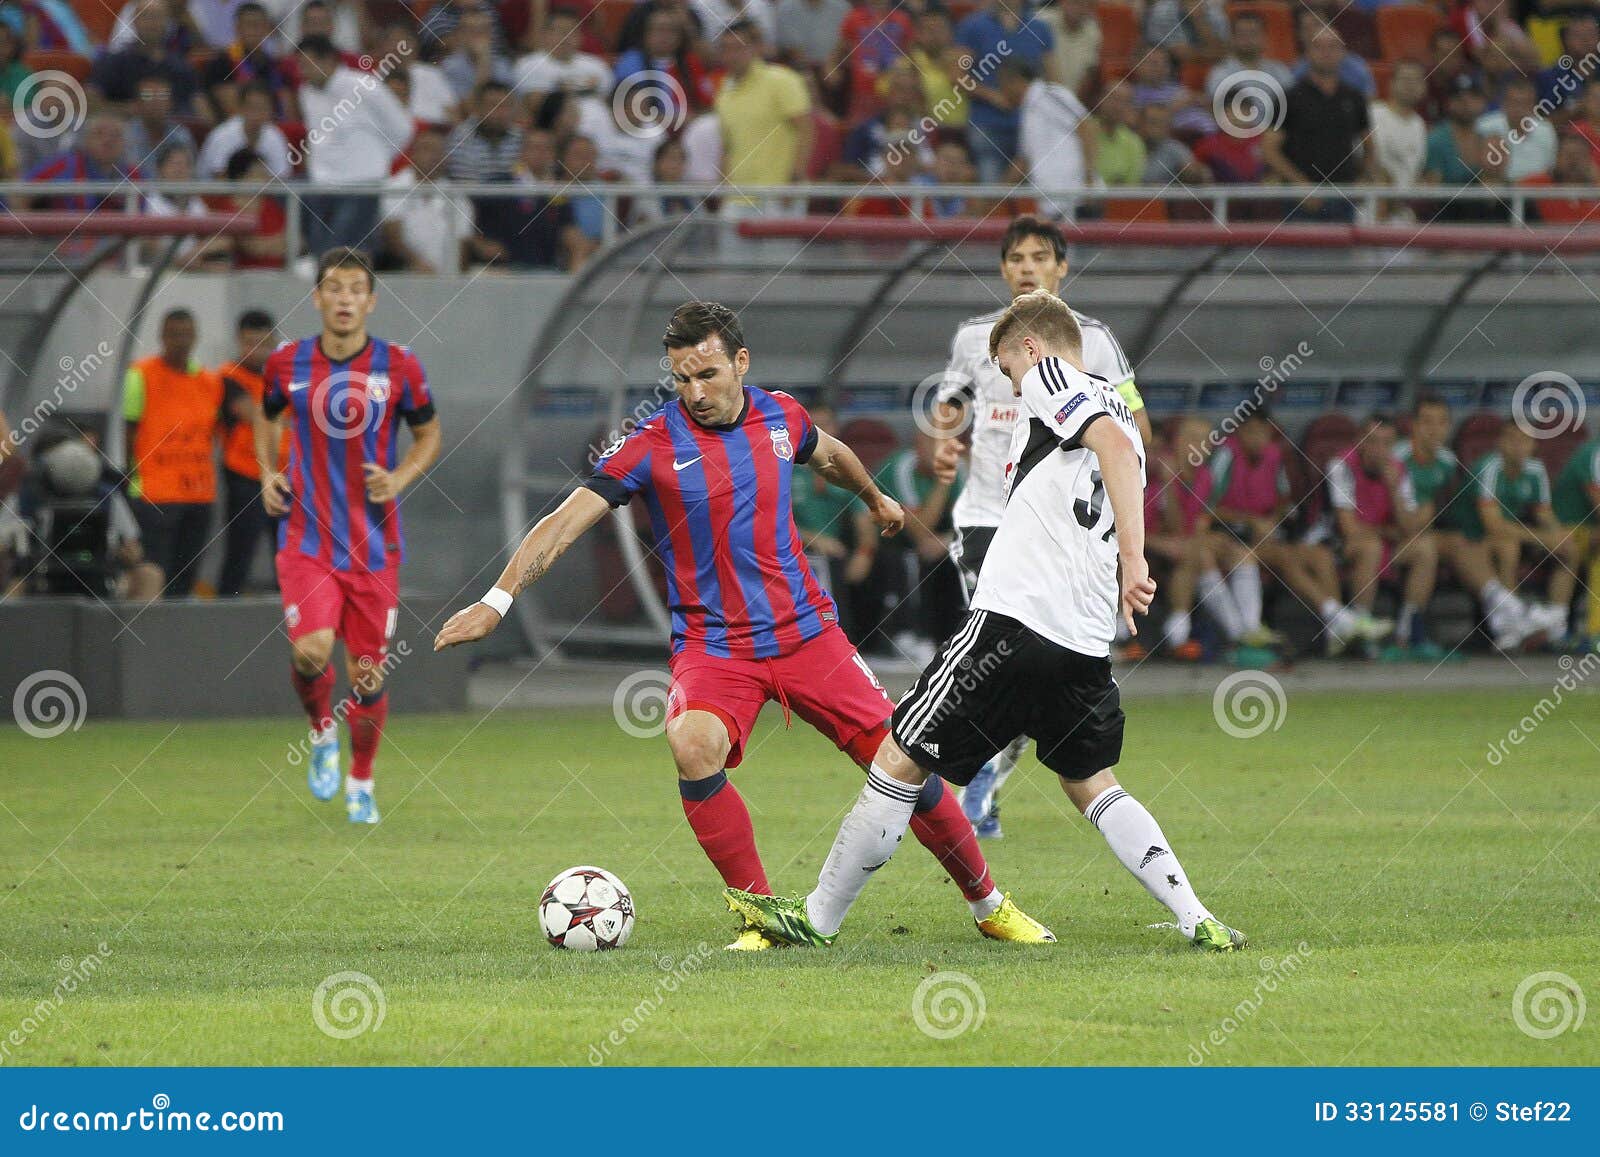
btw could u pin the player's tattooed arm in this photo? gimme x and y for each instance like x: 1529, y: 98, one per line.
x: 839, y: 465
x: 532, y: 573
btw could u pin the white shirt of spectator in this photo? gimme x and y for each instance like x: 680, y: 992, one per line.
x: 433, y: 101
x: 702, y: 149
x: 584, y: 73
x: 631, y: 157
x: 228, y: 138
x: 1400, y: 142
x: 1049, y: 144
x: 433, y: 221
x: 355, y: 127
x: 716, y: 15
x: 1533, y: 152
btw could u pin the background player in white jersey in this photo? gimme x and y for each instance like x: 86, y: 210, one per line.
x: 975, y: 406
x: 1033, y: 655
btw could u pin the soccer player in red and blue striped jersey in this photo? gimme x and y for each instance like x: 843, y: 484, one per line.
x: 750, y: 621
x: 343, y: 396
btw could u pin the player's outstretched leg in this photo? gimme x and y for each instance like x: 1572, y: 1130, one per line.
x: 368, y: 711
x: 311, y: 673
x: 1137, y: 840
x: 981, y: 799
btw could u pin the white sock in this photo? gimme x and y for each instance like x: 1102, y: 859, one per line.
x: 986, y: 907
x: 1218, y: 602
x: 1500, y: 605
x: 867, y: 839
x: 1178, y: 628
x: 1245, y: 584
x: 1338, y: 618
x: 1402, y: 623
x: 1006, y: 762
x: 353, y: 785
x: 1138, y: 842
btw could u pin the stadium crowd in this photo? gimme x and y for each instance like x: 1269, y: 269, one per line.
x: 1063, y: 96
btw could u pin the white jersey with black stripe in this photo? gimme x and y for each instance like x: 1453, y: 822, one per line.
x: 1053, y: 563
x: 973, y: 380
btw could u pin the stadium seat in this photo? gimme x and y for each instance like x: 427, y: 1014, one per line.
x: 872, y: 440
x: 99, y: 18
x: 1328, y: 436
x: 1279, y: 23
x: 1406, y: 30
x: 1477, y: 435
x: 74, y: 64
x: 1119, y: 32
x: 1555, y: 451
x: 1133, y: 209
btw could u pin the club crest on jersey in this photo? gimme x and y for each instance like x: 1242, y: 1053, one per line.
x: 291, y: 615
x: 1065, y: 412
x: 781, y: 446
x: 378, y: 388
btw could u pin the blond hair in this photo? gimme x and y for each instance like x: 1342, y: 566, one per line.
x: 1038, y: 314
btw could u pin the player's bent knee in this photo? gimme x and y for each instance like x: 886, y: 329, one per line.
x: 1083, y: 792
x: 699, y: 743
x: 311, y: 653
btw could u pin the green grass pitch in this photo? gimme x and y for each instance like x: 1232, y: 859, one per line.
x: 1397, y: 888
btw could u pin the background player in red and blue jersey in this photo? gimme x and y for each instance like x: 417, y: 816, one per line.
x: 342, y: 396
x: 750, y: 621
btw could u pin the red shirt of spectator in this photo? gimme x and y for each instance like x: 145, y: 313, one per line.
x: 871, y: 38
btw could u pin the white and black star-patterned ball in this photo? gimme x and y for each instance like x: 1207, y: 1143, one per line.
x: 586, y: 909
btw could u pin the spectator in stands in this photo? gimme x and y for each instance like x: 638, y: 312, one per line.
x: 173, y: 409
x: 444, y: 20
x: 633, y: 27
x: 339, y: 21
x: 248, y: 59
x: 265, y: 246
x: 1323, y: 137
x: 151, y: 129
x: 903, y: 108
x: 576, y: 159
x: 1352, y: 69
x: 1574, y: 166
x: 1561, y: 83
x: 1375, y: 522
x: 1458, y: 156
x: 1075, y: 58
x: 1511, y: 511
x: 1585, y: 123
x: 534, y: 231
x: 764, y: 111
x: 116, y: 75
x: 626, y: 134
x: 355, y: 128
x: 1247, y: 53
x: 425, y: 223
x: 1052, y: 148
x: 937, y: 59
x: 486, y: 146
x: 13, y: 69
x: 1167, y: 161
x: 1356, y: 26
x: 1232, y: 152
x: 1522, y: 144
x: 808, y: 31
x: 991, y: 35
x: 182, y: 38
x: 667, y: 168
x: 1486, y: 26
x: 557, y: 63
x: 1449, y: 61
x: 98, y: 156
x: 248, y: 525
x: 176, y: 163
x: 668, y: 49
x: 1119, y: 149
x: 1155, y: 81
x: 952, y: 165
x: 1186, y: 28
x: 250, y: 128
x: 874, y: 35
x: 430, y: 99
x: 475, y: 57
x: 10, y: 165
x: 50, y: 25
x: 1399, y: 139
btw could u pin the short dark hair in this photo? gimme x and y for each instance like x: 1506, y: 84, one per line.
x: 1021, y: 68
x: 1262, y: 412
x: 1428, y: 398
x: 745, y: 29
x: 259, y: 88
x: 249, y: 6
x: 345, y: 257
x: 181, y: 313
x: 695, y: 321
x: 1380, y: 418
x: 318, y: 46
x: 1028, y: 226
x: 256, y: 319
x: 239, y: 162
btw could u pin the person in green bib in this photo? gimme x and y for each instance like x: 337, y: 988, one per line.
x: 1512, y: 513
x: 1577, y: 507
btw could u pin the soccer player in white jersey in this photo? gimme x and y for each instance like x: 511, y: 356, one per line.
x: 975, y: 404
x: 1033, y: 655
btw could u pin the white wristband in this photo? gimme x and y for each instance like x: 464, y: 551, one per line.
x: 498, y: 599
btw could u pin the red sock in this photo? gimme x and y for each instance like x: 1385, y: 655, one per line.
x: 366, y: 717
x: 721, y: 823
x: 945, y: 832
x: 316, y: 696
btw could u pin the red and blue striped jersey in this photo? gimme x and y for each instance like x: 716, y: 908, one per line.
x: 738, y: 583
x: 342, y: 414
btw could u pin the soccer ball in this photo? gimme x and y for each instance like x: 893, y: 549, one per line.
x: 586, y: 909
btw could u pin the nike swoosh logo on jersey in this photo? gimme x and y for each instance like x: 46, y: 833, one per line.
x: 676, y: 465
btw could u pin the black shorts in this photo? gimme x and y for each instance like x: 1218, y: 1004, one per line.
x: 969, y: 550
x: 994, y: 680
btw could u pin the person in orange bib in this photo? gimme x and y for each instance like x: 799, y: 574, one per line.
x: 173, y: 410
x: 248, y: 522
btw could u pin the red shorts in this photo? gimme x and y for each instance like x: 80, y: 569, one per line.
x: 360, y: 607
x: 825, y: 683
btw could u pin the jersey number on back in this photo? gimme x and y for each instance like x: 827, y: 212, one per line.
x: 1088, y: 511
